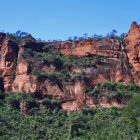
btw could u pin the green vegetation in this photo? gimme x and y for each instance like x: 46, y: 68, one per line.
x: 54, y: 77
x: 14, y: 68
x: 46, y: 120
x: 51, y: 103
x: 20, y: 39
x: 52, y: 56
x: 112, y: 89
x: 63, y: 65
x: 14, y: 39
x: 59, y: 77
x: 14, y: 100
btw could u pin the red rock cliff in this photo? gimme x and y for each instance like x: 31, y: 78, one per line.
x: 133, y: 50
x: 15, y: 72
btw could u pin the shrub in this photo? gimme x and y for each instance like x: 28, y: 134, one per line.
x: 29, y: 52
x: 39, y: 73
x: 14, y: 100
x: 15, y: 39
x: 2, y: 95
x: 51, y: 122
x: 52, y: 104
x: 31, y: 103
x: 55, y: 102
x: 95, y: 92
x: 112, y: 89
x: 46, y: 102
x: 48, y: 49
x: 78, y: 76
x: 133, y: 109
x: 54, y: 77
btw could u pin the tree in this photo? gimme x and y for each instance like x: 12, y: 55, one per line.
x: 23, y: 34
x: 112, y: 34
x: 70, y: 38
x: 94, y: 36
x: 133, y: 109
x: 81, y: 38
x: 114, y: 31
x: 122, y: 35
x: 85, y: 36
x: 75, y: 38
x: 20, y: 33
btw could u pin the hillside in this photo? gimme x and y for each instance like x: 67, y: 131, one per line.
x: 67, y: 71
x: 87, y: 89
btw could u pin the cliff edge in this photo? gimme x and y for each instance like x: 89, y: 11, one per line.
x: 67, y: 70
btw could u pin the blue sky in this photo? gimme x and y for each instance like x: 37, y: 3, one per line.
x: 59, y: 19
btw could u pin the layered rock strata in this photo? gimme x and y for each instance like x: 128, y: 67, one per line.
x: 122, y: 64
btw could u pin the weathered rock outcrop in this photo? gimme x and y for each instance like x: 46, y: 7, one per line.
x: 9, y: 52
x: 133, y: 50
x: 121, y: 64
x: 23, y: 81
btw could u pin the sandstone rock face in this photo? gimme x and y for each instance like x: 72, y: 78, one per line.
x: 15, y: 70
x: 115, y: 68
x: 23, y: 81
x: 104, y: 47
x: 133, y: 50
x: 77, y: 94
x: 9, y: 52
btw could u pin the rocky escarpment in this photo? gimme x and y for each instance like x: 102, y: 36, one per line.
x: 112, y: 62
x: 9, y: 53
x: 133, y: 50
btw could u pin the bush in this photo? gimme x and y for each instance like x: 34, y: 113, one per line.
x: 55, y: 102
x: 79, y: 76
x: 46, y: 102
x: 14, y: 100
x: 133, y: 109
x: 51, y: 122
x: 95, y: 92
x: 54, y: 77
x: 2, y: 95
x: 29, y: 52
x: 31, y: 103
x: 63, y: 62
x: 39, y: 73
x: 112, y: 89
x: 52, y: 104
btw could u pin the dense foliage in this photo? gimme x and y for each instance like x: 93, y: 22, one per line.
x: 112, y: 89
x: 44, y: 118
x: 60, y: 61
x: 32, y: 116
x: 63, y: 65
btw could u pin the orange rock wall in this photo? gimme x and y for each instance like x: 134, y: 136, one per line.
x: 133, y: 50
x: 122, y: 64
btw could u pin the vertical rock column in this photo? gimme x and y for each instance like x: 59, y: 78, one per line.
x: 133, y: 50
x: 9, y: 52
x: 23, y: 81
